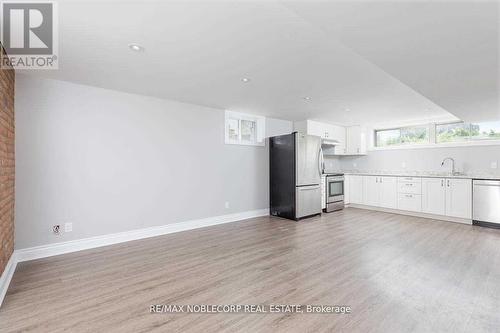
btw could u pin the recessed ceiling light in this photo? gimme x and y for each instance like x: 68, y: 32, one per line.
x: 245, y: 79
x: 135, y: 47
x: 347, y: 109
x: 307, y: 98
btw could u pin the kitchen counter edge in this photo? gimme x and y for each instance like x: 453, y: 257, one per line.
x: 395, y: 174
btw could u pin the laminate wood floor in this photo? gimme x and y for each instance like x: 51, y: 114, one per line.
x: 397, y: 273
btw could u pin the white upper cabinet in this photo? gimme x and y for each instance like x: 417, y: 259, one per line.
x: 315, y: 128
x: 328, y: 131
x: 356, y: 140
x: 311, y: 127
x: 459, y: 198
x: 351, y: 140
x: 434, y: 196
x: 339, y: 134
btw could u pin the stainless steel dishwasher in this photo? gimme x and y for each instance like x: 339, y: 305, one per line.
x: 486, y: 203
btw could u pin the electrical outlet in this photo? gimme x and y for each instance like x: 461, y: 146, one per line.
x: 56, y: 229
x: 403, y: 165
x: 226, y: 204
x: 355, y: 164
x: 68, y: 227
x: 494, y: 165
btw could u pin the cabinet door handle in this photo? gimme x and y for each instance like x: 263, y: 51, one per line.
x: 448, y: 183
x: 442, y: 182
x: 409, y: 184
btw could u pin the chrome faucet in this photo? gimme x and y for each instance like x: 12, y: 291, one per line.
x: 452, y: 164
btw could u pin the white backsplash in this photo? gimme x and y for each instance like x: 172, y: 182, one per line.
x: 332, y: 163
x: 473, y: 159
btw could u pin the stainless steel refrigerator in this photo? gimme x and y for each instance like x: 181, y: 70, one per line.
x: 295, y: 175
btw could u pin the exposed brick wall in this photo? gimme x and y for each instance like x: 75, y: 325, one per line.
x: 7, y: 161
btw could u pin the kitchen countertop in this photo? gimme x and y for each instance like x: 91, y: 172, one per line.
x: 418, y: 174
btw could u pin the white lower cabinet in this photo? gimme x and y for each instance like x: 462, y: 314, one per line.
x: 410, y: 202
x: 347, y: 190
x: 410, y: 187
x: 434, y: 196
x: 388, y: 192
x: 450, y: 197
x: 459, y: 198
x: 323, y: 192
x: 371, y: 191
x: 356, y: 189
x: 447, y: 196
x: 380, y: 191
x: 410, y: 194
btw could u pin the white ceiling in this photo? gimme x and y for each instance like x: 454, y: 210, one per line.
x: 383, y: 62
x: 447, y: 51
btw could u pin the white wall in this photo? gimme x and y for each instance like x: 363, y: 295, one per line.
x: 475, y: 159
x: 109, y: 162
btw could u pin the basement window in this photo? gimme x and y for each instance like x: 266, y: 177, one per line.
x: 462, y: 132
x: 485, y: 131
x: 244, y: 129
x: 452, y: 134
x: 402, y: 136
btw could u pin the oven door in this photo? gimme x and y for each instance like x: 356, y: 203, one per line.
x: 334, y: 189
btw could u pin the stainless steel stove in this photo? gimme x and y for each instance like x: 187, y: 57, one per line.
x: 334, y: 192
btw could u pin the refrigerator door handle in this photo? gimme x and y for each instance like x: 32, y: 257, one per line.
x: 308, y: 188
x: 320, y: 161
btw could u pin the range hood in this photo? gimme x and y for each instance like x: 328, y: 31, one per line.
x: 329, y: 142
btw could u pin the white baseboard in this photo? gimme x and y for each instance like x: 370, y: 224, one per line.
x: 417, y: 214
x: 121, y: 237
x: 104, y: 240
x: 7, y: 276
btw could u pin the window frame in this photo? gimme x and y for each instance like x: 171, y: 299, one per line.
x: 401, y: 144
x: 479, y: 139
x: 470, y: 137
x: 433, y: 138
x: 466, y: 139
x: 260, y: 123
